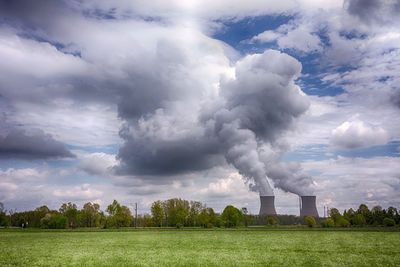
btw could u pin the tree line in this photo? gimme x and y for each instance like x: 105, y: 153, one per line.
x: 180, y: 213
x: 363, y: 216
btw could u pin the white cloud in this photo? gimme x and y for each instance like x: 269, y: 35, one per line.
x: 347, y: 182
x: 300, y: 37
x: 357, y: 134
x: 79, y: 192
x: 231, y: 187
x: 97, y: 163
x: 185, y: 63
x: 36, y: 59
x: 266, y: 36
x: 23, y: 175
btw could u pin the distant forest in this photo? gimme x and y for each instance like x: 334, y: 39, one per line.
x: 183, y: 213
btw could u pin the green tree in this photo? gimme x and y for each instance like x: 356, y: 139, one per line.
x: 328, y: 223
x: 3, y: 216
x: 392, y: 213
x: 119, y: 215
x: 342, y: 222
x: 272, y: 220
x: 54, y: 221
x: 90, y: 215
x: 157, y: 213
x: 176, y: 211
x: 231, y: 216
x: 310, y: 221
x: 246, y: 218
x: 207, y: 218
x: 145, y: 220
x: 363, y: 209
x: 359, y: 220
x: 389, y: 222
x: 33, y: 218
x: 195, y: 208
x: 378, y: 215
x: 339, y: 220
x: 70, y: 211
x: 335, y: 215
x: 349, y: 214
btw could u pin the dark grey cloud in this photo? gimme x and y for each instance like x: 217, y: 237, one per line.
x: 180, y: 115
x: 395, y: 98
x: 145, y: 156
x: 291, y: 178
x: 262, y: 103
x: 263, y: 97
x: 374, y: 11
x: 256, y: 107
x: 35, y: 144
x: 36, y: 18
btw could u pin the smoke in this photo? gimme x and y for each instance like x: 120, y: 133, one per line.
x: 242, y: 152
x: 185, y: 112
x: 290, y: 178
x: 260, y: 104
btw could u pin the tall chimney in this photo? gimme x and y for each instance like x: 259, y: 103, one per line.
x: 267, y: 206
x: 308, y: 206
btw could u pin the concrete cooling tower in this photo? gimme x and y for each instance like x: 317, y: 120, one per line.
x: 308, y: 206
x: 267, y: 206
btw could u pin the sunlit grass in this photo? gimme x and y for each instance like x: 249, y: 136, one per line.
x: 199, y: 248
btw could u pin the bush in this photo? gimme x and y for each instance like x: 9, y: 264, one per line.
x: 389, y: 222
x: 272, y: 220
x: 179, y: 225
x: 210, y: 225
x: 342, y: 222
x: 54, y: 221
x: 310, y: 221
x: 328, y: 223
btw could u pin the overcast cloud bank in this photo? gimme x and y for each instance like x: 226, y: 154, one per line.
x: 138, y: 98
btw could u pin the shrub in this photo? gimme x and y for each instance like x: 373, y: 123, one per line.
x: 310, y: 221
x: 272, y: 220
x: 54, y: 221
x: 342, y: 222
x: 389, y: 222
x: 328, y: 223
x: 179, y: 225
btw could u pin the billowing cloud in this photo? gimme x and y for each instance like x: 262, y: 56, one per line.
x: 356, y: 134
x: 148, y: 82
x: 33, y: 144
x: 97, y: 163
x: 257, y: 104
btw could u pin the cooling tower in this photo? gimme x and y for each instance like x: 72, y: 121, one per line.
x: 308, y: 206
x: 267, y: 206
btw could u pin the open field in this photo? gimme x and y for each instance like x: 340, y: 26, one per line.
x: 199, y: 248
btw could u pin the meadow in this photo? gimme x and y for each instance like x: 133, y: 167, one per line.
x: 265, y: 247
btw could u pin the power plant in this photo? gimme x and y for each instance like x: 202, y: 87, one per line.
x: 267, y: 206
x: 308, y: 206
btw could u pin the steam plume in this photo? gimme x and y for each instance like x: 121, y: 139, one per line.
x: 260, y: 104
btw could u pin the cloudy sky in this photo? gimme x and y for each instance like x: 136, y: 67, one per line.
x: 144, y: 100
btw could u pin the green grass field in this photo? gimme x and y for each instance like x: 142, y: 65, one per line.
x: 199, y: 248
